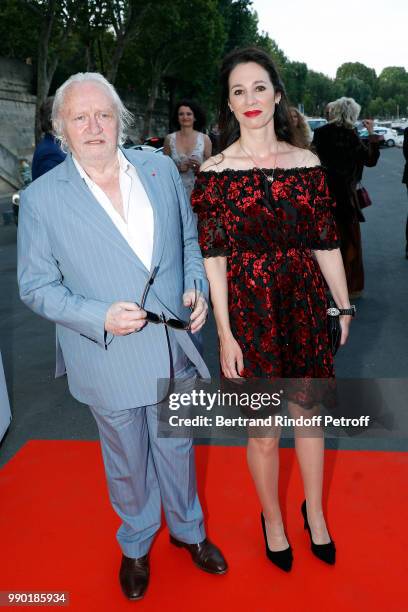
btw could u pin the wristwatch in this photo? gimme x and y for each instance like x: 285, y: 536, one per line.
x: 335, y: 312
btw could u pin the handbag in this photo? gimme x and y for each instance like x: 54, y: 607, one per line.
x: 333, y: 327
x: 363, y: 198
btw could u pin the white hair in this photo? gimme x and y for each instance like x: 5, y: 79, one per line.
x: 125, y: 117
x: 344, y: 111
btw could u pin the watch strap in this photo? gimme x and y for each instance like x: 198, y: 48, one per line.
x: 348, y: 311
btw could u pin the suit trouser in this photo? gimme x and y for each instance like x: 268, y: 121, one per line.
x: 143, y: 471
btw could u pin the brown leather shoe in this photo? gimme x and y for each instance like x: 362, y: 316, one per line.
x: 134, y: 576
x: 205, y: 555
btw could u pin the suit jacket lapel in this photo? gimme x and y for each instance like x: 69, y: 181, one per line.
x: 153, y: 182
x: 93, y: 212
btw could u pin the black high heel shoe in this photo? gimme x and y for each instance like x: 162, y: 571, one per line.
x: 281, y: 558
x: 324, y: 552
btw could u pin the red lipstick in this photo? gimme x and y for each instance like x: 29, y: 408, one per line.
x: 252, y: 113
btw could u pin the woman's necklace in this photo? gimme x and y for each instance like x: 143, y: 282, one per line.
x: 269, y: 177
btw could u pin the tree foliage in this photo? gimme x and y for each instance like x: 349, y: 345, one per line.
x: 393, y: 81
x: 166, y: 50
x: 319, y: 91
x: 359, y: 71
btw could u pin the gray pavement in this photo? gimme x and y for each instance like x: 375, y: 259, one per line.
x: 378, y: 347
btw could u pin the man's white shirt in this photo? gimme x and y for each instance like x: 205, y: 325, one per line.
x: 138, y: 228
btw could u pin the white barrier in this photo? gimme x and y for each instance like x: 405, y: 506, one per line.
x: 5, y: 413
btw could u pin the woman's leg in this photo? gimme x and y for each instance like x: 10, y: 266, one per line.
x: 309, y: 444
x: 263, y: 462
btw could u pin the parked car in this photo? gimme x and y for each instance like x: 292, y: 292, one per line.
x: 155, y: 141
x: 145, y: 147
x: 399, y: 129
x: 315, y: 122
x: 389, y: 135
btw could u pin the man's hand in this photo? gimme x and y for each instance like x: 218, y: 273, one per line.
x: 194, y: 163
x: 124, y: 318
x: 199, y: 314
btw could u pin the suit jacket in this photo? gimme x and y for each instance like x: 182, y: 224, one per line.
x: 47, y: 155
x: 73, y: 264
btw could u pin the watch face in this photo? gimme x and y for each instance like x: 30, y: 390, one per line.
x: 333, y: 312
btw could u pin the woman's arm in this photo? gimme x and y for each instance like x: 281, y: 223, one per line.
x: 181, y: 167
x: 166, y: 146
x: 231, y: 358
x: 331, y: 265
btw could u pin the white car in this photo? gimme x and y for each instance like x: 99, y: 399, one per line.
x: 389, y: 136
x: 146, y: 148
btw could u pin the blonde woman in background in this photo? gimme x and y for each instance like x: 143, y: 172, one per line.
x: 344, y: 156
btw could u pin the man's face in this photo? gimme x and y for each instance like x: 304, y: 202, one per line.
x: 90, y: 122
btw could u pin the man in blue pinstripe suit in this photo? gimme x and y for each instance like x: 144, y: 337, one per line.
x: 95, y: 234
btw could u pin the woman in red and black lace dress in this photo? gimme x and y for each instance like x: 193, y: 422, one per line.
x: 268, y: 235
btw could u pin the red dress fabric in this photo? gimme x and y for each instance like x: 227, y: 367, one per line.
x: 276, y: 292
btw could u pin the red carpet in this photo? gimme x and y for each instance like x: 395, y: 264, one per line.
x: 57, y: 533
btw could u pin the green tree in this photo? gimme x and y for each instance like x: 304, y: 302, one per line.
x: 376, y: 107
x: 17, y: 41
x: 319, y: 91
x: 265, y: 42
x: 179, y: 45
x: 57, y: 22
x: 402, y: 104
x: 295, y: 77
x: 359, y: 71
x: 353, y: 87
x: 127, y: 18
x: 240, y: 24
x: 392, y: 81
x: 390, y: 108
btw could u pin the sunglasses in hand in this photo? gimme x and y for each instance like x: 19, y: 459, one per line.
x: 152, y: 317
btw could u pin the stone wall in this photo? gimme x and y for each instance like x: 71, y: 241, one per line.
x: 17, y: 107
x: 160, y: 119
x: 9, y: 171
x: 17, y: 113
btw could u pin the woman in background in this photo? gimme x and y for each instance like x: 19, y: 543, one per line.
x: 301, y: 130
x: 344, y: 156
x: 188, y: 146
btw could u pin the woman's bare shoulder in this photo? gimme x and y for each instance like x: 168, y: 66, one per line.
x: 212, y: 163
x: 226, y: 159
